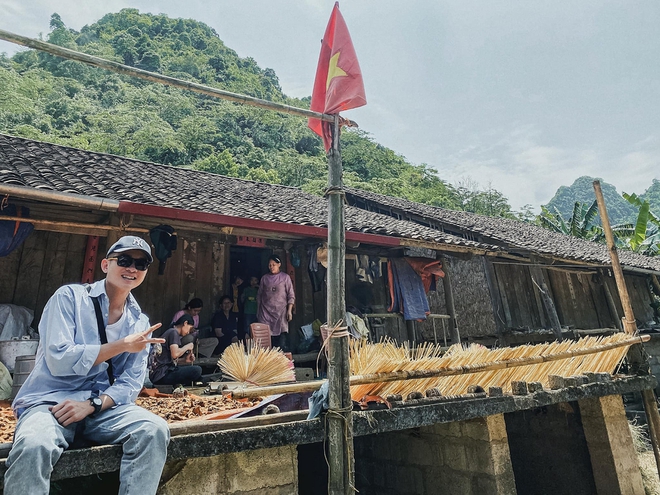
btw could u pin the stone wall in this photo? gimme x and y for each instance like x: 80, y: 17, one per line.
x: 466, y: 457
x: 264, y: 472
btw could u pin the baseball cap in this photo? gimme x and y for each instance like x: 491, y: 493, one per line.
x: 128, y: 243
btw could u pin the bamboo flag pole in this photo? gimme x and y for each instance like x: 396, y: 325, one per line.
x: 159, y: 78
x: 450, y: 371
x: 340, y: 422
x: 630, y: 325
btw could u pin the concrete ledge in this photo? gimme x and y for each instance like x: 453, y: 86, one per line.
x: 84, y: 462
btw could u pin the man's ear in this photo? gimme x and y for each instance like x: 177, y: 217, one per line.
x: 104, y: 265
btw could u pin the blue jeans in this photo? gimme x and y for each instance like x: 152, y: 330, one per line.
x: 40, y: 440
x: 181, y: 375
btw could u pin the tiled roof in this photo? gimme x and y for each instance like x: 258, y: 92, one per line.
x: 52, y: 167
x: 507, y: 233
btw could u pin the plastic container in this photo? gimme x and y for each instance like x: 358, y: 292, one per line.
x: 261, y: 335
x: 24, y: 365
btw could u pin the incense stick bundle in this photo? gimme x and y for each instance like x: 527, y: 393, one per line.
x: 388, y: 357
x: 254, y: 365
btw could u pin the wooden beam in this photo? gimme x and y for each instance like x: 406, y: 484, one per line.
x: 84, y: 58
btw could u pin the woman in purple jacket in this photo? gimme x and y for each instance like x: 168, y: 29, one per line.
x: 275, y: 301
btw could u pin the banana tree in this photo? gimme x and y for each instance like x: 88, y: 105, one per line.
x: 580, y: 224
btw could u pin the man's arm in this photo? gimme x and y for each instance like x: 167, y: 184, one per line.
x: 133, y: 343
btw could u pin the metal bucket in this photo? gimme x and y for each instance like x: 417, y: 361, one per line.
x: 24, y: 365
x: 9, y: 349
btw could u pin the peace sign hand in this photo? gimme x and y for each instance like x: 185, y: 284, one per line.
x: 138, y: 341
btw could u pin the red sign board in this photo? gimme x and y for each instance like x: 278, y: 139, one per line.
x: 250, y: 241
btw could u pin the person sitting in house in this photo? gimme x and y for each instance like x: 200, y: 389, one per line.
x: 165, y: 369
x: 225, y: 325
x: 89, y: 369
x: 205, y: 345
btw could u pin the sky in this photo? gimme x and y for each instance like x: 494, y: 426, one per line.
x: 520, y: 95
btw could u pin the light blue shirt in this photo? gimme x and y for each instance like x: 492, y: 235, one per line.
x: 70, y: 343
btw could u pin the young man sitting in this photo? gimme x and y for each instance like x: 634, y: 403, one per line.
x: 89, y: 368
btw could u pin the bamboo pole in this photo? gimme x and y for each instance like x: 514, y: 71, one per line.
x: 57, y: 223
x: 339, y: 417
x: 629, y: 324
x: 653, y: 421
x: 159, y: 78
x: 452, y: 371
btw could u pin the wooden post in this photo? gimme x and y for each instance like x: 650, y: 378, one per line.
x: 449, y: 302
x: 339, y: 416
x: 630, y: 326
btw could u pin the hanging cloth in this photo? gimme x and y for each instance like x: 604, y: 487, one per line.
x: 406, y: 291
x: 426, y: 269
x: 164, y: 240
x: 13, y: 232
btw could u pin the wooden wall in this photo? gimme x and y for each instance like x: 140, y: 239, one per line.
x: 32, y: 272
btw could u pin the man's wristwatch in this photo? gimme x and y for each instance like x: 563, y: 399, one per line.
x: 96, y: 403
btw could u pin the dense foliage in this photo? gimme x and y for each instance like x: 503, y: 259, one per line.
x: 43, y: 97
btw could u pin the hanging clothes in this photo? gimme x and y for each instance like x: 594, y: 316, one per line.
x: 406, y: 291
x: 427, y: 270
x: 315, y: 269
x: 13, y: 232
x: 363, y: 269
x: 164, y: 240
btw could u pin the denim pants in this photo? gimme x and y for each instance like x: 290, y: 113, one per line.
x: 39, y: 441
x: 181, y: 375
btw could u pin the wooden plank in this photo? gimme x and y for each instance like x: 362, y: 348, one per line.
x: 204, y: 276
x: 220, y: 272
x: 495, y: 297
x: 499, y: 276
x: 172, y: 295
x: 9, y: 267
x: 29, y: 272
x: 52, y: 272
x: 188, y: 270
x: 73, y: 265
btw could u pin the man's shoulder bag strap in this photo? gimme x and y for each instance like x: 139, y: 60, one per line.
x: 101, y: 326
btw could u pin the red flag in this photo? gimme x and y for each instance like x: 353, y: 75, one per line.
x: 338, y: 85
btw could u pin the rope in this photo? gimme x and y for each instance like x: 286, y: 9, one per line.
x: 336, y: 331
x: 341, y: 414
x: 334, y: 190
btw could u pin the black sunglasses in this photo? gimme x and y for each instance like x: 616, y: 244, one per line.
x: 125, y: 261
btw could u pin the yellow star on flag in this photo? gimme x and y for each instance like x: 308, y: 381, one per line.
x: 334, y: 70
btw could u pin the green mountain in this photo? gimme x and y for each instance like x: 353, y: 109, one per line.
x: 46, y: 98
x: 652, y: 195
x: 618, y: 209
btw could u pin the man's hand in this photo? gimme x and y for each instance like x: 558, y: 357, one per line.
x: 138, y: 341
x: 289, y: 315
x: 71, y: 411
x: 190, y: 358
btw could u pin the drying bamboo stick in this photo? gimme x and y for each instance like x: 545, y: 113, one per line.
x: 396, y: 360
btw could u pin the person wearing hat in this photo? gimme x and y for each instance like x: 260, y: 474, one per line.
x: 89, y: 368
